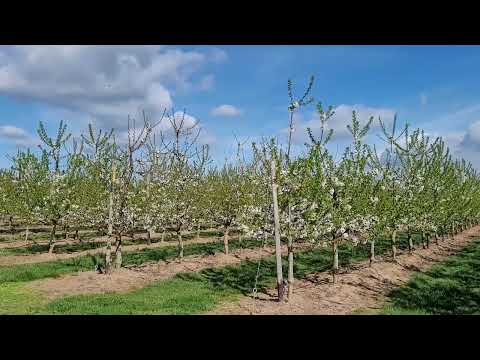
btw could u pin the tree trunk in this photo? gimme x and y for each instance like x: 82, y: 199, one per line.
x: 424, y: 242
x: 265, y: 239
x: 162, y: 240
x: 372, y: 252
x: 427, y: 238
x: 108, y: 256
x: 198, y: 232
x: 394, y: 247
x: 335, y: 259
x: 278, y: 244
x: 12, y: 228
x: 118, y: 253
x: 77, y: 235
x: 52, y: 239
x: 110, y: 199
x: 436, y: 238
x: 26, y: 235
x: 225, y: 239
x: 291, y: 278
x: 180, y: 244
x: 411, y: 248
x: 149, y: 237
x: 110, y: 214
x: 65, y: 229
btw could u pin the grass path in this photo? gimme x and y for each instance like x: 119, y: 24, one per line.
x: 217, y: 289
x: 449, y: 288
x: 141, y: 255
x: 91, y: 249
x: 202, y: 291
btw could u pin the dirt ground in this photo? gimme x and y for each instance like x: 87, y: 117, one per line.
x: 359, y: 287
x: 125, y: 279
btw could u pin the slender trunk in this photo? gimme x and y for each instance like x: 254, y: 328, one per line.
x: 12, y: 228
x: 118, y: 253
x: 424, y: 242
x: 26, y: 235
x: 427, y: 238
x: 149, y: 237
x: 162, y: 240
x: 411, y: 248
x: 132, y: 233
x: 77, y: 235
x: 52, y: 239
x: 198, y: 232
x: 265, y: 239
x: 372, y: 251
x: 110, y: 214
x: 436, y: 238
x: 394, y: 247
x: 291, y: 278
x: 225, y: 239
x: 278, y: 245
x: 108, y: 256
x: 110, y: 200
x: 65, y: 229
x: 180, y: 244
x: 149, y: 228
x: 335, y: 259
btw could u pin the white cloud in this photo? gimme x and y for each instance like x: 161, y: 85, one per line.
x: 471, y: 139
x: 465, y: 144
x: 226, y: 110
x: 339, y: 121
x: 189, y: 122
x: 105, y: 82
x: 17, y: 136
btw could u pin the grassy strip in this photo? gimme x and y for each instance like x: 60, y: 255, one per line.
x: 193, y: 293
x: 15, y: 299
x: 29, y: 272
x: 85, y: 245
x: 59, y: 249
x: 449, y: 288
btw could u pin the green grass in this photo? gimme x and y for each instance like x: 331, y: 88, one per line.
x: 451, y: 287
x: 45, y: 235
x: 29, y: 272
x: 15, y: 299
x: 59, y: 249
x: 86, y: 245
x: 173, y: 296
x: 193, y: 293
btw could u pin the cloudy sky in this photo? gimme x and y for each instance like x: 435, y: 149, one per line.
x: 239, y: 90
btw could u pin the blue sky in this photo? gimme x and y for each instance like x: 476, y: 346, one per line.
x: 436, y: 88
